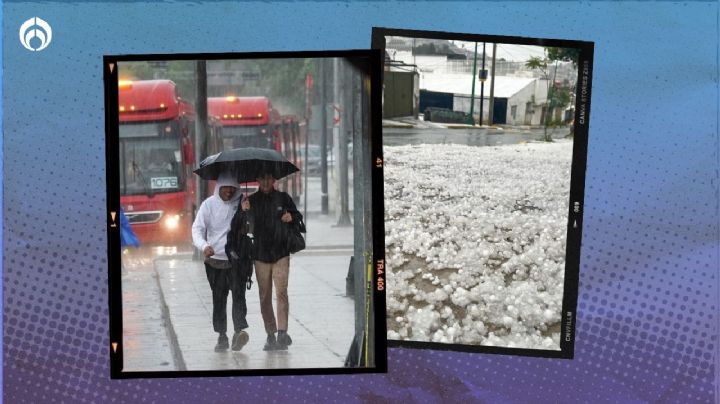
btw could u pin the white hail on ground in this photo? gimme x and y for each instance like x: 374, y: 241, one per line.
x: 475, y: 243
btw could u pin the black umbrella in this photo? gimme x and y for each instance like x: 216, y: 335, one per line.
x: 246, y: 164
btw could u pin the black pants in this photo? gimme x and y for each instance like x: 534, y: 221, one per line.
x: 222, y: 281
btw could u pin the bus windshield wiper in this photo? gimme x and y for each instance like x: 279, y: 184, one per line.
x: 146, y: 185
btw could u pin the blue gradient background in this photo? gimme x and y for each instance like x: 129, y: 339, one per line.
x: 647, y: 320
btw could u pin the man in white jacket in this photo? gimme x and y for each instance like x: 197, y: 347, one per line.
x: 209, y: 233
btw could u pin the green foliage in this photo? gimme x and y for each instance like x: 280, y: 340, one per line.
x: 281, y: 80
x: 536, y: 62
x: 554, y: 123
x: 135, y: 71
x: 563, y: 54
x: 557, y: 96
x: 182, y: 72
x: 560, y: 96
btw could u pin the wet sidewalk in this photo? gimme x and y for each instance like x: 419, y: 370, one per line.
x: 321, y: 321
x: 167, y: 305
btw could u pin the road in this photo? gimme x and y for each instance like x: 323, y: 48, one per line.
x: 145, y: 333
x: 470, y: 137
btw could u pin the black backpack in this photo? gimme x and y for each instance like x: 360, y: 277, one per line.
x: 239, y: 247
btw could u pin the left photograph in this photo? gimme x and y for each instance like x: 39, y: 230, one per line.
x: 240, y: 214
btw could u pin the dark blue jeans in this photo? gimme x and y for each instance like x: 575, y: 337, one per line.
x: 222, y: 281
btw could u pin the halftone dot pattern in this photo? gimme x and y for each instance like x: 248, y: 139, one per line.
x: 648, y: 298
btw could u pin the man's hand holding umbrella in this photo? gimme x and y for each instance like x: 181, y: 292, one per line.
x: 245, y: 204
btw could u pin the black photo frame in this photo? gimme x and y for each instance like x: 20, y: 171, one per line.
x: 576, y: 184
x: 367, y: 350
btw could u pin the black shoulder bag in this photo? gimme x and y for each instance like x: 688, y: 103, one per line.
x: 295, y: 239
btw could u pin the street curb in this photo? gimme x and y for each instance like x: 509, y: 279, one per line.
x: 461, y: 126
x: 328, y: 250
x: 172, y: 336
x: 405, y: 126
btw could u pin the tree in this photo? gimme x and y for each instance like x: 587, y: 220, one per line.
x: 181, y: 72
x: 564, y: 54
x: 281, y: 80
x: 557, y: 96
x: 541, y: 64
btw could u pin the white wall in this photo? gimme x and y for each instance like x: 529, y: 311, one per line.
x: 462, y: 103
x: 537, y: 88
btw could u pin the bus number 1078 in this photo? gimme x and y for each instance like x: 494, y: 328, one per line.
x: 163, y: 182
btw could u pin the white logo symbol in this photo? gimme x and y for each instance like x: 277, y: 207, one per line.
x: 35, y: 28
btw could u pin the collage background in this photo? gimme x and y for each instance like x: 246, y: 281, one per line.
x: 647, y: 318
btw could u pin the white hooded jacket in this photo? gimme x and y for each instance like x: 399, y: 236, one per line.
x: 212, y: 222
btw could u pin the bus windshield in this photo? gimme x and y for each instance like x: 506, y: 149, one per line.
x: 247, y: 136
x: 149, y: 165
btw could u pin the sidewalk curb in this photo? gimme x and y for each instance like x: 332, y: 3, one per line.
x: 399, y: 126
x: 325, y: 250
x: 172, y: 336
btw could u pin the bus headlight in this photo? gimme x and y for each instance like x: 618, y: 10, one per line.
x: 172, y: 222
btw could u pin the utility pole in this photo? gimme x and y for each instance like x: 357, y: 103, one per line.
x: 323, y: 138
x: 336, y: 126
x: 483, y: 76
x: 345, y: 134
x: 201, y: 125
x: 200, y: 146
x: 308, y: 116
x: 471, y: 119
x: 491, y: 107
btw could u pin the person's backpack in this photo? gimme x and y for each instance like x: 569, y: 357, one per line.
x: 239, y: 247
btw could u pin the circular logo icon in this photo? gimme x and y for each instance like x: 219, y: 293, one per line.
x: 35, y: 34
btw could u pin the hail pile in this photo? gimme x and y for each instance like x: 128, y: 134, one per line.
x: 475, y: 243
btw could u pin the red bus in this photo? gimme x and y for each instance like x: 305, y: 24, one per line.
x: 157, y: 156
x: 253, y: 122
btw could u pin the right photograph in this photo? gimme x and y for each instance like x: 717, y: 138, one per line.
x: 484, y: 148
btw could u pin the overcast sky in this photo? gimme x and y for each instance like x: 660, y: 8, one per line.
x: 511, y: 52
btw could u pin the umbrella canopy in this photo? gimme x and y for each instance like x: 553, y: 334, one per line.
x: 246, y: 164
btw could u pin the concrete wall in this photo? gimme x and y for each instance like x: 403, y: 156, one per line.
x: 462, y: 103
x: 535, y: 93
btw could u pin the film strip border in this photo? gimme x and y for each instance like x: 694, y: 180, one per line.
x: 577, y: 186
